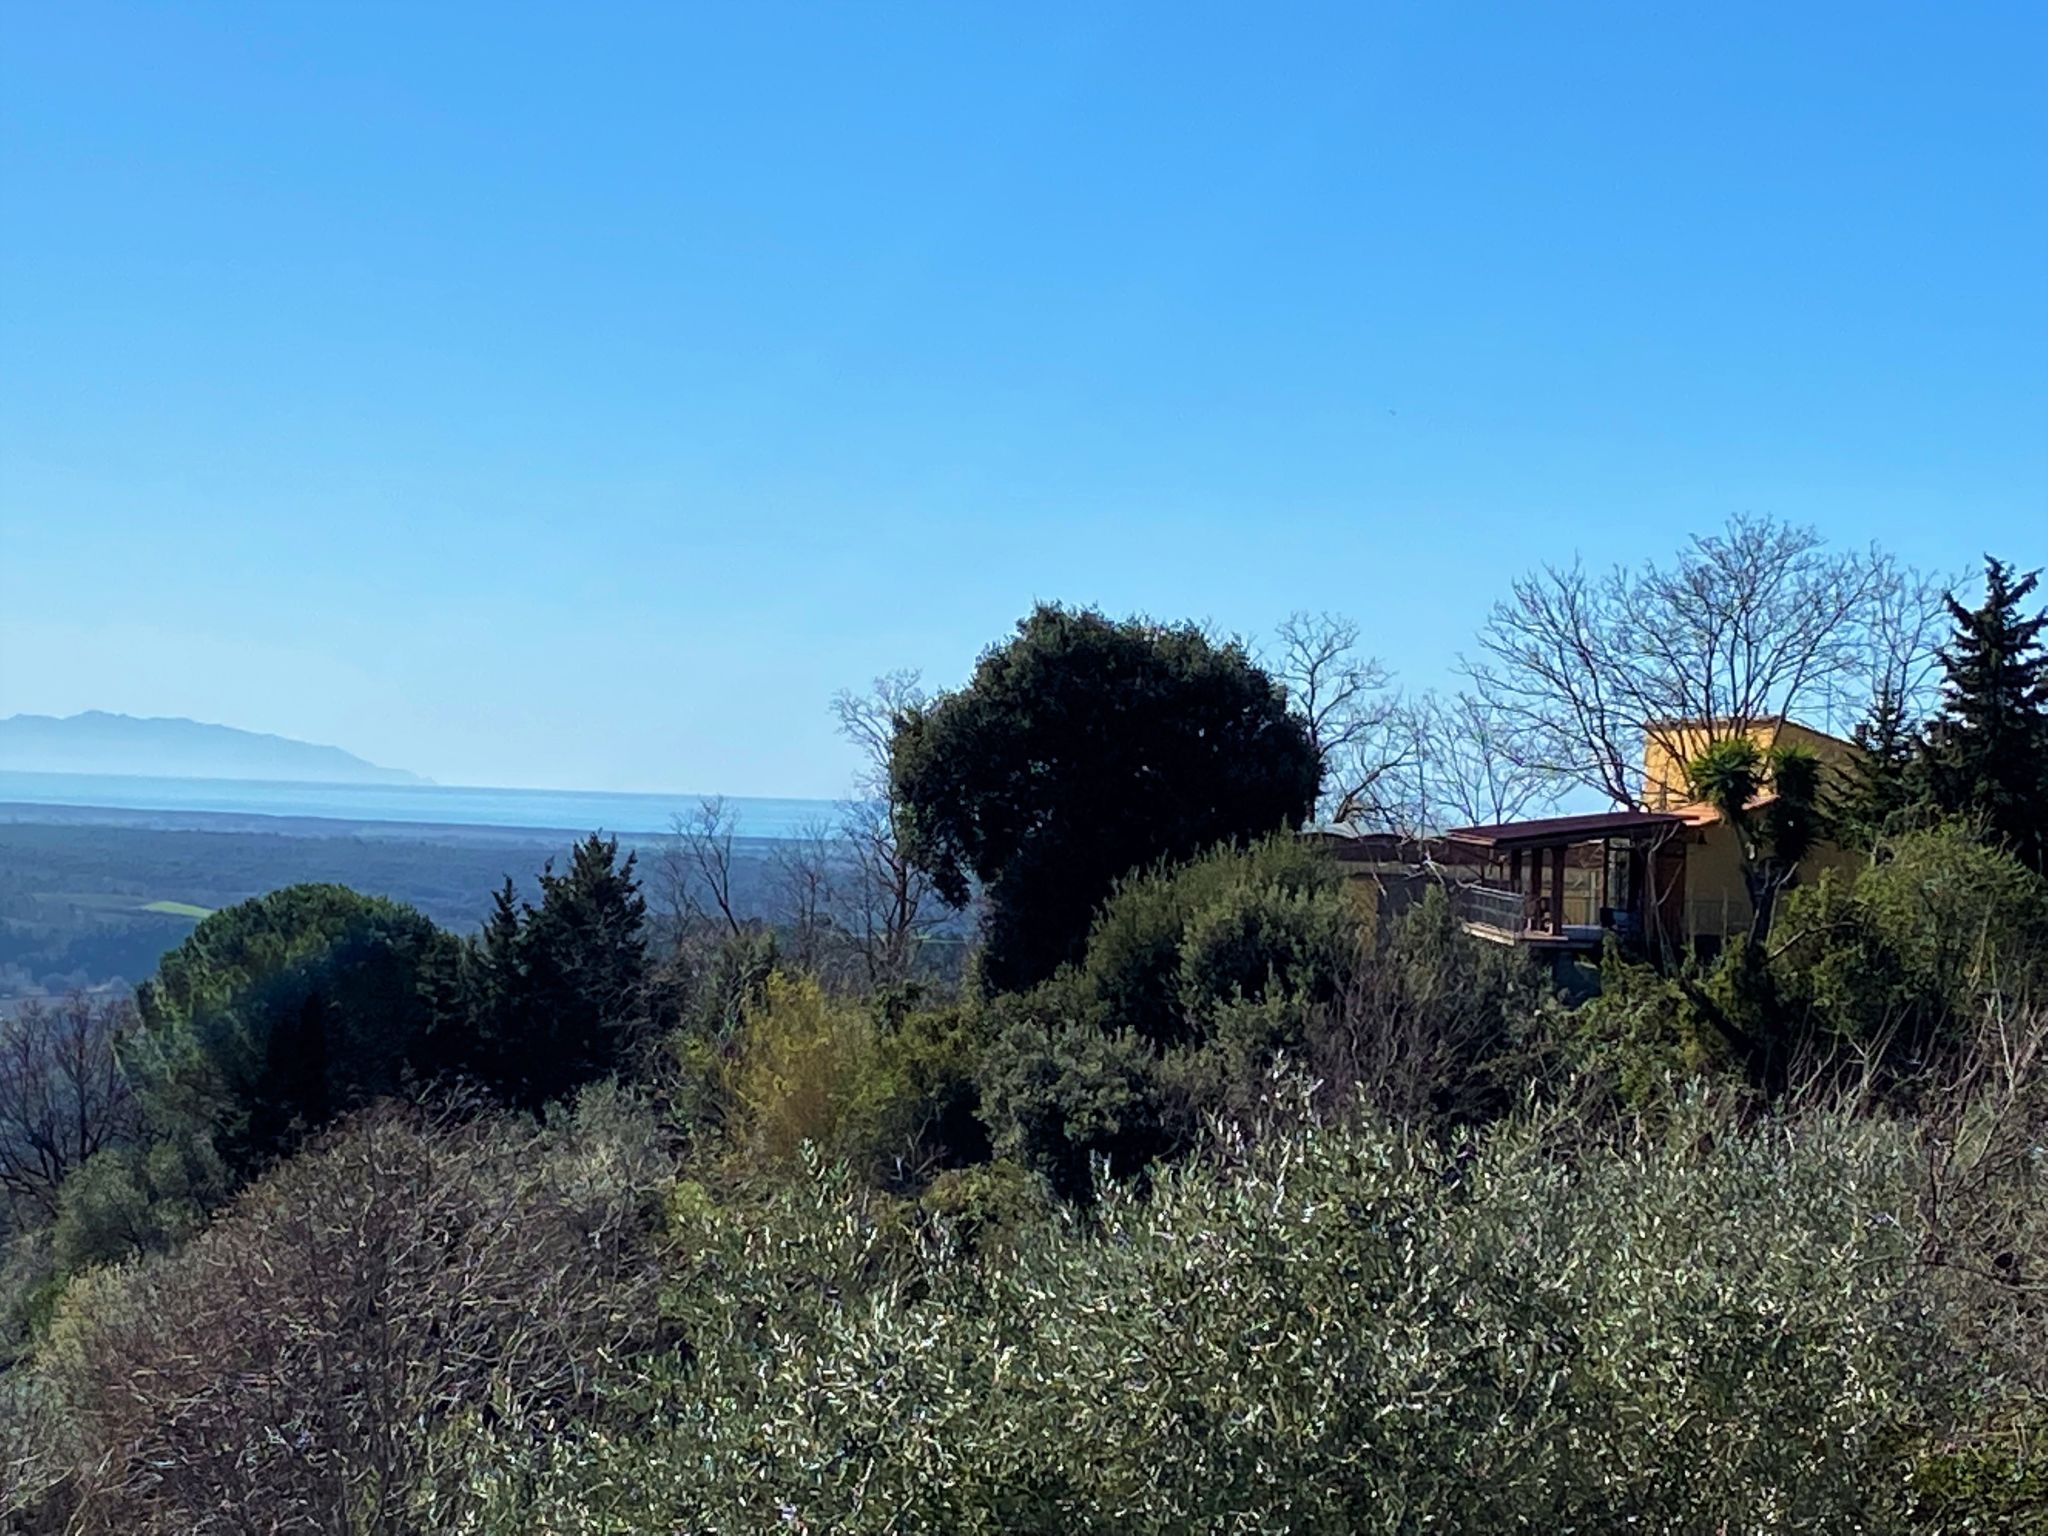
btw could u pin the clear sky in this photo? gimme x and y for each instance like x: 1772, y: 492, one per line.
x: 577, y: 395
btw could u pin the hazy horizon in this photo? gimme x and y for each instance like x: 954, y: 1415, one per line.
x: 578, y: 402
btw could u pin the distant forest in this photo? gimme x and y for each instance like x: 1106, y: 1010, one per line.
x: 75, y: 899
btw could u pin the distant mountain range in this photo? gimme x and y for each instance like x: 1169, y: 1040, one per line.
x: 97, y: 742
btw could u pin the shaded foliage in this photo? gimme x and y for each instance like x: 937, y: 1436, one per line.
x: 281, y: 1013
x: 1081, y: 750
x: 1987, y: 750
x: 557, y: 989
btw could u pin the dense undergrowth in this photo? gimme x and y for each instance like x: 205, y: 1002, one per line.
x: 1224, y: 1202
x: 1715, y: 1321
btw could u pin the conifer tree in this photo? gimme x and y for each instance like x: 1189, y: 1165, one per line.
x: 1987, y: 751
x: 557, y: 989
x: 1884, y: 781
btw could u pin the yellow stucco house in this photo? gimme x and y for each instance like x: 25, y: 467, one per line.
x: 1668, y: 875
x: 1717, y: 901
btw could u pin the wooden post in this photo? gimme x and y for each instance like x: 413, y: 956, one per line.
x: 1557, y: 893
x: 1515, y: 869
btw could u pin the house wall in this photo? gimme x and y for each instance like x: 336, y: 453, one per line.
x: 1717, y: 901
x: 1664, y: 762
x: 1716, y: 897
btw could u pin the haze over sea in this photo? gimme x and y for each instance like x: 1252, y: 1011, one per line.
x: 424, y: 804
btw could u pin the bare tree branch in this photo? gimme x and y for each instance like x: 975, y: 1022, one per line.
x: 697, y: 866
x: 887, y: 903
x: 1746, y: 626
x: 62, y: 1094
x: 1355, y: 720
x: 1469, y: 772
x: 808, y: 870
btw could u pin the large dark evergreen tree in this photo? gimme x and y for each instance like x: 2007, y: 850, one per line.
x: 1987, y: 751
x: 279, y: 1013
x: 1083, y: 749
x: 557, y: 989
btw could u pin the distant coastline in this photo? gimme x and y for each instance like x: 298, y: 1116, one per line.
x: 442, y: 812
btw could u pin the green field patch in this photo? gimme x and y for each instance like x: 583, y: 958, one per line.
x: 177, y: 909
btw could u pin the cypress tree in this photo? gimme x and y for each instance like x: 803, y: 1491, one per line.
x: 1987, y: 751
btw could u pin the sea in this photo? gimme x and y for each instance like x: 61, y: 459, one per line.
x: 404, y: 804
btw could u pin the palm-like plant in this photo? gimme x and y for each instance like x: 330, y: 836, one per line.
x: 1732, y: 775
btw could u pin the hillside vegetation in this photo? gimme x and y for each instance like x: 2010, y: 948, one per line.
x: 1198, y: 1199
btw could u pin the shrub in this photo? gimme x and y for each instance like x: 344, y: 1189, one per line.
x: 1260, y: 942
x: 1174, y: 943
x: 1908, y: 954
x: 1060, y: 1095
x: 896, y: 1095
x: 1642, y: 1037
x: 931, y: 1059
x: 138, y: 1199
x: 1435, y: 1025
x: 806, y: 1071
x: 994, y: 1205
x: 1350, y: 1331
x: 289, y: 1368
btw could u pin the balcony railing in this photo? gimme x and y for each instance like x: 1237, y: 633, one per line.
x: 1518, y: 915
x: 1487, y: 906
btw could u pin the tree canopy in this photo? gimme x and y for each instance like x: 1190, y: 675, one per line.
x: 1084, y: 748
x: 1987, y: 750
x: 557, y: 989
x: 1756, y: 622
x: 279, y: 1013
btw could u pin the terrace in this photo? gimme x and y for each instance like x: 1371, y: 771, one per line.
x: 1567, y: 882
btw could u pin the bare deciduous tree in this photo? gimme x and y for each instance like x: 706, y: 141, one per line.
x: 697, y: 867
x: 808, y: 866
x: 887, y: 903
x: 1901, y: 658
x: 1468, y: 771
x: 1756, y: 622
x: 1355, y: 720
x: 62, y: 1094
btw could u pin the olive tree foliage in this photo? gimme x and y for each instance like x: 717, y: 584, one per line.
x: 63, y: 1096
x: 1082, y: 749
x: 1353, y: 1329
x: 1743, y: 626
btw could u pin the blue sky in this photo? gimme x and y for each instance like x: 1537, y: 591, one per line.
x: 579, y: 395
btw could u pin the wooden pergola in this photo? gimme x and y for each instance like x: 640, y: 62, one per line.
x: 1534, y: 853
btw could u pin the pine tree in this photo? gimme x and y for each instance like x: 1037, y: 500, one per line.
x: 493, y: 982
x: 557, y: 989
x: 1884, y: 782
x: 1987, y: 751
